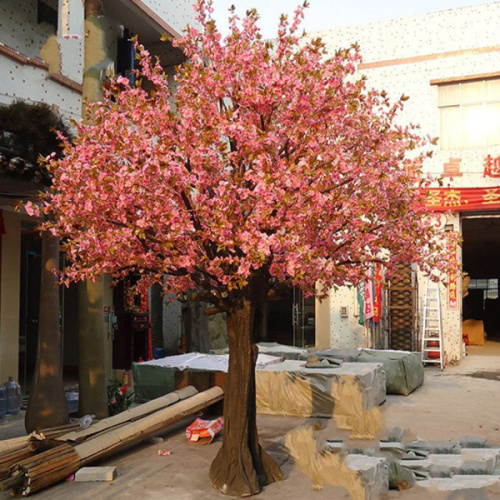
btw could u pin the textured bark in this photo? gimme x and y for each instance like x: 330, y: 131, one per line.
x: 242, y: 467
x: 47, y: 403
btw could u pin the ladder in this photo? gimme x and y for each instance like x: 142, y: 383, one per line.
x: 432, y: 328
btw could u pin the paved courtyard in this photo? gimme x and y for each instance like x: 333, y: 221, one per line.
x: 460, y: 401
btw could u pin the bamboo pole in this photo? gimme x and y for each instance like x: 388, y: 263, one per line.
x: 42, y: 470
x: 49, y: 467
x: 14, y: 443
x: 129, y: 415
x: 61, y: 432
x: 111, y: 441
x: 9, y: 458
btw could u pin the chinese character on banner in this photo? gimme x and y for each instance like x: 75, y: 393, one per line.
x: 452, y: 198
x: 492, y: 166
x: 491, y: 196
x: 377, y: 299
x: 453, y: 296
x: 452, y: 168
x: 434, y: 199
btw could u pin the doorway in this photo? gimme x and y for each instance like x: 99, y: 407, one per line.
x: 290, y: 321
x: 31, y: 269
x: 481, y: 302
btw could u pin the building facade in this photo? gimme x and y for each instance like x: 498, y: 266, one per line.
x: 448, y: 64
x: 50, y: 53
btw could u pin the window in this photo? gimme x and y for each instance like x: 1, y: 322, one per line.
x: 125, y: 56
x: 47, y: 13
x: 470, y: 114
x: 489, y: 287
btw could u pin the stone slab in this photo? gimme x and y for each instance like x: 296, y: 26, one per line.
x: 436, y: 447
x: 374, y: 473
x: 459, y: 482
x: 475, y: 461
x: 473, y: 442
x: 90, y: 474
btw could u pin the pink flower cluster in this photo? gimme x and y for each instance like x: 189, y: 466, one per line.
x: 272, y: 160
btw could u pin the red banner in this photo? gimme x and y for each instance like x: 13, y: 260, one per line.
x: 463, y: 199
x: 368, y: 310
x: 453, y: 296
x: 377, y: 299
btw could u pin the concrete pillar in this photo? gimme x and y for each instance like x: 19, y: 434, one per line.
x: 95, y: 347
x: 323, y: 323
x: 94, y: 341
x: 10, y: 297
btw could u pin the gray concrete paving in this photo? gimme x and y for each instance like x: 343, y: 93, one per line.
x: 460, y: 401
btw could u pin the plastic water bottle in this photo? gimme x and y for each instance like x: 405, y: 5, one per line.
x: 3, y: 401
x: 13, y: 396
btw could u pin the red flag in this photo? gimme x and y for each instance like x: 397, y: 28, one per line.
x: 368, y: 300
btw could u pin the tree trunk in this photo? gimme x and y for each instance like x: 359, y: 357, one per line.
x: 242, y: 467
x: 47, y: 403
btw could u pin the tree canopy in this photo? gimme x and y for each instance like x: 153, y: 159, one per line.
x: 273, y: 164
x: 272, y: 158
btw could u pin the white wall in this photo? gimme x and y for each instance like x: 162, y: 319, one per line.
x: 20, y: 31
x: 402, y: 56
x: 29, y: 83
x: 470, y: 38
x: 19, y: 28
x: 177, y: 13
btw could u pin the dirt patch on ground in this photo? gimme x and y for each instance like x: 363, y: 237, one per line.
x: 485, y: 375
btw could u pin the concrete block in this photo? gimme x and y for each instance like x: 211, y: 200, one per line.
x: 435, y: 447
x: 87, y: 474
x: 373, y: 471
x: 459, y: 482
x: 394, y: 435
x: 472, y: 442
x: 473, y: 468
x: 332, y: 445
x: 445, y: 460
x: 417, y: 464
x: 490, y: 455
x: 392, y: 446
x: 440, y: 471
x: 472, y: 461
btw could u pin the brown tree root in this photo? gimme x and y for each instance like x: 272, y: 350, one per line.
x: 238, y: 473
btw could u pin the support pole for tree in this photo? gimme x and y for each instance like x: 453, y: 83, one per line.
x: 47, y: 403
x: 242, y: 467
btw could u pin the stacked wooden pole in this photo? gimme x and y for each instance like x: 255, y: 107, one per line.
x: 9, y: 458
x: 42, y: 470
x: 24, y: 471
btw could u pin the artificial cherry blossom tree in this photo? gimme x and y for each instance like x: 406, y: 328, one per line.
x: 273, y: 165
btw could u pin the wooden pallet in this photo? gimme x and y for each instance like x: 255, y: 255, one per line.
x: 402, y: 311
